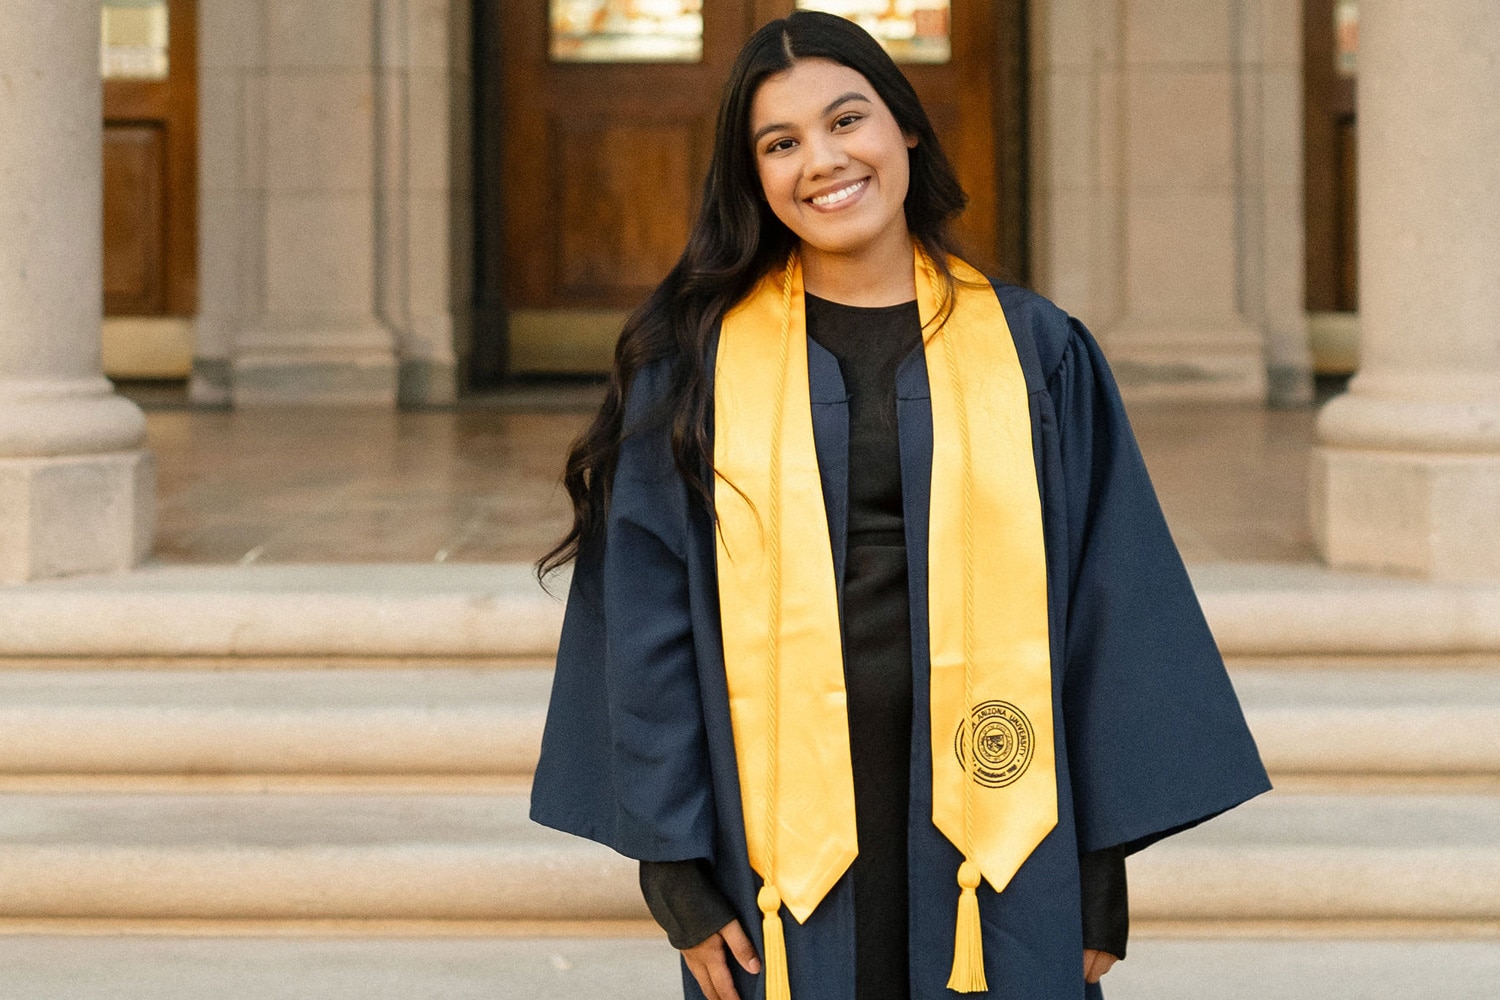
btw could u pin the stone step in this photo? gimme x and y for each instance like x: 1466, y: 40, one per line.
x: 489, y: 611
x: 1309, y: 857
x: 499, y: 611
x: 300, y: 856
x: 1374, y: 720
x: 1285, y: 857
x: 365, y: 719
x: 640, y: 968
x: 344, y: 721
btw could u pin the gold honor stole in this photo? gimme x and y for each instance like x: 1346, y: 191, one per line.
x: 994, y: 787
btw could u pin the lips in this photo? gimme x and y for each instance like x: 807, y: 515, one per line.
x: 837, y: 196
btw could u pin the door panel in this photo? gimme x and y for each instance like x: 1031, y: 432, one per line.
x: 135, y: 280
x: 627, y: 193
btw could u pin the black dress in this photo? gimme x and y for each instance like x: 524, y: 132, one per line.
x: 869, y: 344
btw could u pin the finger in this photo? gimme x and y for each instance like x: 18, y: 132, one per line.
x: 700, y: 974
x: 1096, y: 964
x: 718, y: 972
x: 741, y: 946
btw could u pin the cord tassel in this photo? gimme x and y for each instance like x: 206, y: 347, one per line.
x: 968, y: 936
x: 778, y: 983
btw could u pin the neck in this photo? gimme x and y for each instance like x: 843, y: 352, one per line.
x: 879, y: 275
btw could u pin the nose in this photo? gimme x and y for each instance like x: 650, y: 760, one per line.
x: 825, y: 156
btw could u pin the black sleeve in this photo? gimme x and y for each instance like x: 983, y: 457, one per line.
x: 1106, y: 905
x: 683, y: 898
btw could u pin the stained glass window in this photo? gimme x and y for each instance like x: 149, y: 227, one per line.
x: 627, y: 30
x: 912, y: 31
x: 1346, y: 37
x: 133, y: 40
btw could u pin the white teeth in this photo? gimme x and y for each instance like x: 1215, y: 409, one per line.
x: 835, y: 197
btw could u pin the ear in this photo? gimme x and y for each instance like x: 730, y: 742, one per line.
x: 911, y: 140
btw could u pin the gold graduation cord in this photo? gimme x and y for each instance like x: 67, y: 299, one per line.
x: 967, y: 975
x: 778, y: 976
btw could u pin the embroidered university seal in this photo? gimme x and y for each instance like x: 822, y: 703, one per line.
x: 1002, y: 741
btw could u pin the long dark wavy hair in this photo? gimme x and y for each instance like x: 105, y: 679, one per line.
x: 735, y: 240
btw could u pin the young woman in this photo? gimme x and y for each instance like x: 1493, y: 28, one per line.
x: 878, y: 654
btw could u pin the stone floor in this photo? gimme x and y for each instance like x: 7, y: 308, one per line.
x: 149, y: 968
x: 480, y: 483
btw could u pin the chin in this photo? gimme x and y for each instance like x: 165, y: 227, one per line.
x: 838, y: 243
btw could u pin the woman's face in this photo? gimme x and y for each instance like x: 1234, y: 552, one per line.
x: 832, y: 160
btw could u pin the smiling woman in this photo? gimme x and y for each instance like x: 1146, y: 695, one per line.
x: 878, y: 654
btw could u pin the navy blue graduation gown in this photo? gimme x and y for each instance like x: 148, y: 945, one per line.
x: 638, y: 753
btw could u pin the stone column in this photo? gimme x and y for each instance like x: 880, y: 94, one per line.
x: 1166, y: 204
x: 231, y: 188
x: 424, y: 203
x: 311, y: 331
x: 76, y: 488
x: 1407, y: 475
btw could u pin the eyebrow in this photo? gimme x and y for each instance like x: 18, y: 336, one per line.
x: 833, y: 105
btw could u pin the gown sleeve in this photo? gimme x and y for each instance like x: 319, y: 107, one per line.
x: 1155, y: 736
x: 624, y: 757
x: 1105, y: 903
x: 684, y: 901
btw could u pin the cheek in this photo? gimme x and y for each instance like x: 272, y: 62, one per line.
x: 778, y: 187
x: 899, y: 170
x: 904, y: 172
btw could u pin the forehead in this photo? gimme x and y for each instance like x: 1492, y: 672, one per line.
x: 801, y: 93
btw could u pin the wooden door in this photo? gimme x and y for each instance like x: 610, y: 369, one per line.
x: 598, y: 168
x: 1331, y: 204
x: 151, y: 196
x: 150, y: 182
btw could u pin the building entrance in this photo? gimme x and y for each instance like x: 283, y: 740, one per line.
x: 594, y: 128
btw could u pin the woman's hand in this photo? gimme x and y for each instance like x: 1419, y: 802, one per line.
x: 1096, y: 964
x: 706, y: 961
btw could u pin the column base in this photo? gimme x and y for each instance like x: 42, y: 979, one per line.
x: 211, y: 386
x: 367, y: 381
x: 1423, y: 514
x: 75, y: 514
x: 1181, y: 366
x: 427, y: 382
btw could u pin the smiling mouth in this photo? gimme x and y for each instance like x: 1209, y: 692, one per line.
x: 842, y: 194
